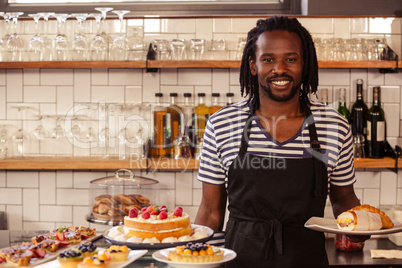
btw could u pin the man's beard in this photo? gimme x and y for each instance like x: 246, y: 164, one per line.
x: 280, y: 98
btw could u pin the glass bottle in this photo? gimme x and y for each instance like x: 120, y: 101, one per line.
x: 342, y: 109
x: 376, y: 127
x: 215, y: 104
x: 160, y: 128
x: 324, y: 96
x: 359, y: 114
x: 229, y: 97
x: 201, y: 112
x: 176, y: 119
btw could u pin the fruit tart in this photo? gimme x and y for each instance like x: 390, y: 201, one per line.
x: 118, y: 253
x: 88, y: 250
x: 195, y: 253
x: 99, y: 261
x: 70, y: 258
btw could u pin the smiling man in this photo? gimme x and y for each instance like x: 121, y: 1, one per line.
x: 276, y: 156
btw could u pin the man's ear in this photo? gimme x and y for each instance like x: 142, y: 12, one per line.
x: 253, y: 68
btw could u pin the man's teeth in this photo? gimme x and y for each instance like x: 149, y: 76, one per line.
x: 280, y: 83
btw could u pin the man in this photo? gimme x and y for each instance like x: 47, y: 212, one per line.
x: 277, y: 155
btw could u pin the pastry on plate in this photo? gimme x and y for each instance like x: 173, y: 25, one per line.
x: 195, y: 253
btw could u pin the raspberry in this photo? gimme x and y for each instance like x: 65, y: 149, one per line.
x: 146, y: 215
x: 163, y: 208
x: 133, y: 213
x: 178, y: 212
x: 163, y: 215
x: 144, y: 209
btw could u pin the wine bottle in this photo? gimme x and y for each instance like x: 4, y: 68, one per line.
x: 324, y: 96
x: 376, y: 127
x: 359, y: 112
x: 342, y: 109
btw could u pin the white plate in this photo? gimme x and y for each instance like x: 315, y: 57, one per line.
x: 134, y: 255
x: 329, y: 226
x: 161, y: 255
x: 158, y: 245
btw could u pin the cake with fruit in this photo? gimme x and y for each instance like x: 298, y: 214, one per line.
x: 195, y: 253
x: 157, y: 222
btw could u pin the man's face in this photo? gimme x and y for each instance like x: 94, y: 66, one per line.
x: 278, y: 64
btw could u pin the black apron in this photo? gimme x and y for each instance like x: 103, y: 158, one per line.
x: 270, y: 199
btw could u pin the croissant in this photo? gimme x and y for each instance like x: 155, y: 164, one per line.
x: 386, y: 221
x: 363, y: 218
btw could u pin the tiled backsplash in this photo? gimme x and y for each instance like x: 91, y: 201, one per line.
x: 47, y: 199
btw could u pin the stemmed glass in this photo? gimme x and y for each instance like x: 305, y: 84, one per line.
x: 1, y: 40
x: 61, y: 44
x: 20, y: 139
x: 104, y: 34
x: 120, y: 43
x: 15, y: 44
x: 3, y: 140
x: 35, y: 45
x: 79, y: 44
x: 98, y: 47
x: 47, y: 42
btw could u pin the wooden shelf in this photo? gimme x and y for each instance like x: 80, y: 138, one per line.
x: 162, y: 164
x: 371, y: 163
x: 72, y: 64
x: 181, y: 64
x: 95, y: 163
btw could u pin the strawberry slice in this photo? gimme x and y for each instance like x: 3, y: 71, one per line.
x: 63, y: 244
x: 60, y: 236
x: 1, y: 260
x: 84, y: 236
x: 40, y: 252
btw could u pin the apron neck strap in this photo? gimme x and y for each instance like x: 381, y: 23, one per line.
x: 314, y: 144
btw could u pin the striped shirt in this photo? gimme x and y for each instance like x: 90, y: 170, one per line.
x: 223, y: 135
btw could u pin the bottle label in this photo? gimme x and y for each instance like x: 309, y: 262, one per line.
x: 379, y: 132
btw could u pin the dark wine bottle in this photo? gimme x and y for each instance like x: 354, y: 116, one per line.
x: 359, y: 112
x: 342, y: 109
x: 376, y: 127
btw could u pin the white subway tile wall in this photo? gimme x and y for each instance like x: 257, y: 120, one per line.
x: 44, y: 200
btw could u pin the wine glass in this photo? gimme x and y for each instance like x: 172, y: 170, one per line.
x: 136, y: 45
x: 47, y: 42
x: 1, y: 41
x: 104, y: 32
x: 3, y: 140
x: 15, y: 44
x: 35, y: 45
x: 20, y: 139
x: 61, y: 44
x: 98, y: 47
x: 120, y: 43
x: 79, y: 44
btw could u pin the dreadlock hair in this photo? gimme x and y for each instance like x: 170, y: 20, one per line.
x: 249, y: 83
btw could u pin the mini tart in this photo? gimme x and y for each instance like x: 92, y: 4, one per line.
x: 100, y: 261
x: 117, y: 253
x: 70, y: 262
x: 180, y: 254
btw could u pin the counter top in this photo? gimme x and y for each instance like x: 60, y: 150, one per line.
x: 336, y: 258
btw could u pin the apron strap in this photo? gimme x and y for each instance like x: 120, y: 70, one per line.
x: 315, y: 150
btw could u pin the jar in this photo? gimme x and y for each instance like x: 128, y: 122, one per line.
x: 342, y: 243
x: 111, y: 198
